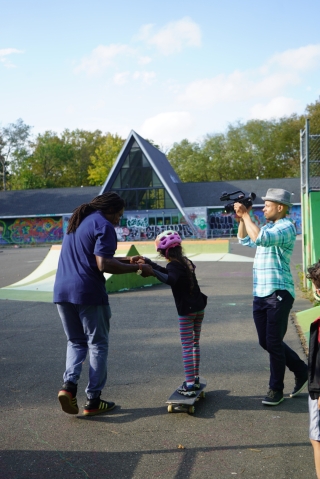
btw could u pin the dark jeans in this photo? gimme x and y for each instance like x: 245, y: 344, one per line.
x: 271, y: 315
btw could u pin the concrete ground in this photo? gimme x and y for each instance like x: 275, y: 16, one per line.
x: 231, y: 433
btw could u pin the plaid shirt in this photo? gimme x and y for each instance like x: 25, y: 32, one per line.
x: 271, y: 267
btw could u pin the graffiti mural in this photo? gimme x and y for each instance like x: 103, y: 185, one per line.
x: 150, y: 232
x: 197, y: 218
x: 294, y: 215
x: 184, y: 230
x: 223, y: 224
x: 31, y: 231
x: 137, y: 221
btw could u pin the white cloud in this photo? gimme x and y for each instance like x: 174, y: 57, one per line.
x: 102, y: 57
x: 144, y: 60
x: 304, y: 58
x: 173, y: 36
x: 276, y: 108
x: 167, y: 127
x: 209, y: 91
x: 273, y: 84
x: 260, y: 83
x: 121, y: 78
x: 4, y: 53
x: 144, y: 76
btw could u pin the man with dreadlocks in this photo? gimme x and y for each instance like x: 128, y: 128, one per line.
x: 87, y: 252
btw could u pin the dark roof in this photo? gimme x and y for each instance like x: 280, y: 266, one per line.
x: 58, y: 201
x: 208, y: 194
x: 51, y: 201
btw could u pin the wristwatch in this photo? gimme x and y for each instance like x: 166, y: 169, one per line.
x: 139, y: 271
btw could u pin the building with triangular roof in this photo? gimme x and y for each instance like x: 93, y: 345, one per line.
x: 155, y: 200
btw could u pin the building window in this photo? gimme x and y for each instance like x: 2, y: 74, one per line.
x: 139, y: 185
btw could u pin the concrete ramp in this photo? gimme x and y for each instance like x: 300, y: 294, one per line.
x: 38, y: 286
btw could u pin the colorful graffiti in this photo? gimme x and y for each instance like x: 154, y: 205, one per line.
x: 31, y: 231
x: 151, y: 232
x: 197, y: 217
x: 223, y: 224
x: 196, y: 223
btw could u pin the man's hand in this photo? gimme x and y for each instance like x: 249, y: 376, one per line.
x: 246, y: 225
x: 147, y: 270
x: 240, y: 209
x: 137, y: 259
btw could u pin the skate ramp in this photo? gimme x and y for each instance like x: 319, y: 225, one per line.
x: 38, y: 286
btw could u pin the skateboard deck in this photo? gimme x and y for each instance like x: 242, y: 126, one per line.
x: 179, y: 403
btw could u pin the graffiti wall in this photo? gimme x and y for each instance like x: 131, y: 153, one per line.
x: 135, y: 233
x: 30, y: 231
x: 223, y: 224
x: 197, y: 219
x: 197, y: 223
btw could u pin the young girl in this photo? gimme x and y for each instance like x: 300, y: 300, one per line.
x: 190, y: 302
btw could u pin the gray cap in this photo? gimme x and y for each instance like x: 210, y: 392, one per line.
x: 278, y: 195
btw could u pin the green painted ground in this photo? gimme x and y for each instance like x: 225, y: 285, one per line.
x: 305, y: 318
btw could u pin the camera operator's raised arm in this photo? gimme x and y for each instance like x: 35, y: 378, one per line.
x: 246, y: 226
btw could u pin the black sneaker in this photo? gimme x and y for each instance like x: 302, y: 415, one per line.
x: 67, y: 398
x: 273, y: 398
x: 187, y: 390
x: 97, y: 406
x: 301, y: 383
x: 197, y: 382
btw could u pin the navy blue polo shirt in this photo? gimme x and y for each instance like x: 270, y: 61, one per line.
x: 78, y: 279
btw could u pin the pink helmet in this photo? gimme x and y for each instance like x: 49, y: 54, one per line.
x: 167, y: 239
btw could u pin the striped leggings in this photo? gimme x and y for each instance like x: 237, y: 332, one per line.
x: 190, y: 329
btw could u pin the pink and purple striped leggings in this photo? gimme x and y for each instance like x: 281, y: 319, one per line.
x: 190, y: 329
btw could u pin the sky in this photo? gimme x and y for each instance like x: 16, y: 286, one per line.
x: 170, y: 70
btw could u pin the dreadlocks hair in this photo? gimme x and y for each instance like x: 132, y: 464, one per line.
x: 176, y: 253
x: 108, y: 203
x: 314, y: 274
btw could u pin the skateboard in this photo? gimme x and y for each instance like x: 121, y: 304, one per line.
x: 179, y: 403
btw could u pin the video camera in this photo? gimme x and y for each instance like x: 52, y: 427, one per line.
x: 241, y: 198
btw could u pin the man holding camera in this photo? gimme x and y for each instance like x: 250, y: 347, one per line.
x: 273, y: 288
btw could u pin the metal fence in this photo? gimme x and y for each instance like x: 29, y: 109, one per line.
x: 310, y: 184
x: 310, y: 160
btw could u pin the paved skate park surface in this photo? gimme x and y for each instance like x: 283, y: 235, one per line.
x: 231, y: 433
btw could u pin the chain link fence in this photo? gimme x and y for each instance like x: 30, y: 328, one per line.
x: 310, y: 160
x: 310, y: 190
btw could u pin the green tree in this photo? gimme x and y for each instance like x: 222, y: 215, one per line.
x: 214, y: 150
x: 14, y: 137
x: 189, y: 161
x: 49, y: 164
x: 313, y: 113
x: 83, y: 144
x: 103, y: 158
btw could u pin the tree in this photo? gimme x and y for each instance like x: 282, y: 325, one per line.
x: 103, y: 159
x: 49, y: 164
x: 84, y: 144
x: 189, y: 161
x: 14, y: 138
x: 313, y: 113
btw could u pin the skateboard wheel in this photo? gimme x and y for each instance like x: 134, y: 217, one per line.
x: 203, y: 394
x: 170, y: 408
x: 191, y: 409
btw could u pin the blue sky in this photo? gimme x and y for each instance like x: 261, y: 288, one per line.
x: 169, y: 70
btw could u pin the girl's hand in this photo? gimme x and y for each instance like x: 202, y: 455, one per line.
x: 137, y: 259
x: 318, y: 403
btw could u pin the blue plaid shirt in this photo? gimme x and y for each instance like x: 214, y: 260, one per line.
x: 271, y: 267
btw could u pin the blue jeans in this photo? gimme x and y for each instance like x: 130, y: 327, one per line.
x: 271, y: 314
x: 87, y: 329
